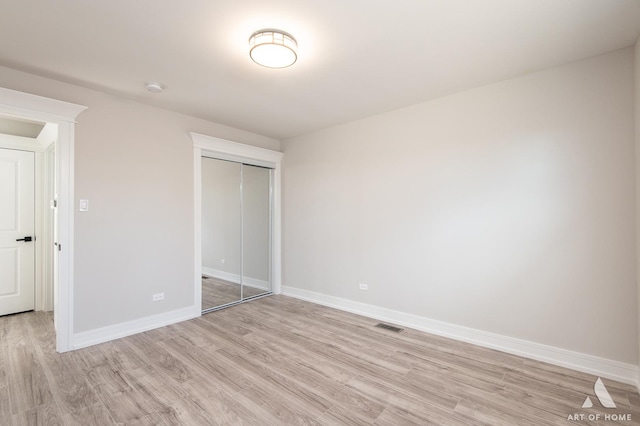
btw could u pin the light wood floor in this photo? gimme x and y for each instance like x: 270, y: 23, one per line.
x: 216, y: 292
x: 276, y: 361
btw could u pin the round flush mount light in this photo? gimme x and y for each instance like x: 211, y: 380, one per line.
x: 154, y: 86
x: 273, y: 48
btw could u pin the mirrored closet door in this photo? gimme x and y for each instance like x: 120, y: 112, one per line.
x: 236, y: 232
x: 256, y: 231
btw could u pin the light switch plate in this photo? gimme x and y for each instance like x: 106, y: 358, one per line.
x: 84, y: 205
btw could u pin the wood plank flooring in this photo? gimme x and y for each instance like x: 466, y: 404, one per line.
x: 279, y: 360
x: 216, y: 292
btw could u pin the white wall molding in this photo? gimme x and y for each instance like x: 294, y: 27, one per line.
x: 20, y: 142
x: 614, y: 370
x: 21, y: 105
x: 235, y: 151
x: 197, y: 226
x: 48, y: 227
x: 117, y: 331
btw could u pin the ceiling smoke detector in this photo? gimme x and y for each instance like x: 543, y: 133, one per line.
x: 154, y: 86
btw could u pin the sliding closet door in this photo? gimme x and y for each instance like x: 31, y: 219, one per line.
x: 256, y: 230
x: 221, y: 233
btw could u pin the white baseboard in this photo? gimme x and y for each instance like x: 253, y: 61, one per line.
x: 601, y: 367
x: 235, y: 278
x: 116, y: 331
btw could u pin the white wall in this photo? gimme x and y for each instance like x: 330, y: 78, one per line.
x: 508, y: 208
x: 134, y: 163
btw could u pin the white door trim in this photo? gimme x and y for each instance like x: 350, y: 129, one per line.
x: 25, y: 105
x: 228, y: 150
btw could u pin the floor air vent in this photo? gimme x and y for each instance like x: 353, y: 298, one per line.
x: 389, y: 327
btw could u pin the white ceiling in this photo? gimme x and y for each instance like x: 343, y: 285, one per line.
x: 356, y: 57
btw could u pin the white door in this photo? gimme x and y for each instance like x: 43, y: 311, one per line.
x: 17, y: 258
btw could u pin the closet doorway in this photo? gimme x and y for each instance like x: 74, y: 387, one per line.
x: 236, y: 232
x: 237, y: 224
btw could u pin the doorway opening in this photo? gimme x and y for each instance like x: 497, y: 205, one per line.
x: 27, y: 216
x: 61, y: 115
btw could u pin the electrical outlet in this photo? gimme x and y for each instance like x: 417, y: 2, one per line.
x: 223, y: 261
x: 157, y: 297
x: 364, y: 287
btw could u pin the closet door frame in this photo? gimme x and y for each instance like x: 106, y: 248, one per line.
x: 223, y: 149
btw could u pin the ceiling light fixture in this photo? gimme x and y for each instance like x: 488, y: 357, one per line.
x: 154, y: 86
x: 273, y: 48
